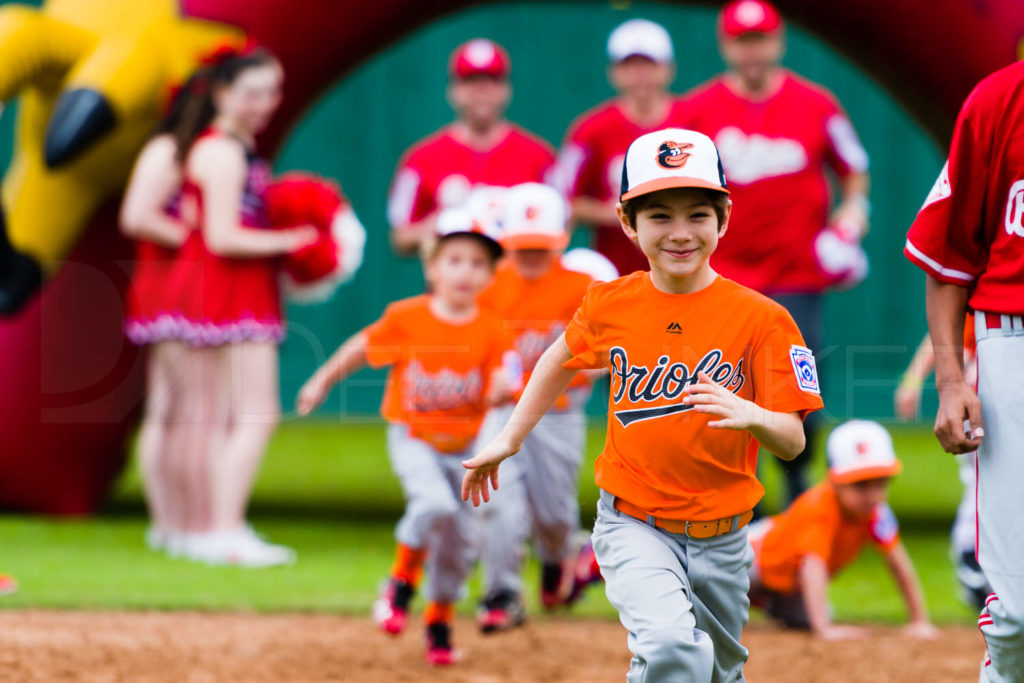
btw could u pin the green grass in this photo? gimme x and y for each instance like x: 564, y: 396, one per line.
x: 327, y: 489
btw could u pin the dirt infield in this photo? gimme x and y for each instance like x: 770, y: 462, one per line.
x: 119, y: 646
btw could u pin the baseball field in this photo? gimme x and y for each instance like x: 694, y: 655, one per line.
x: 95, y: 604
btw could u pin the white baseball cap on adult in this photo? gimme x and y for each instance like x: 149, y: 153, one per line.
x: 640, y: 37
x: 859, y: 450
x: 673, y: 157
x: 534, y: 216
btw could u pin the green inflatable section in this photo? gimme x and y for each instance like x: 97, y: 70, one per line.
x: 359, y: 129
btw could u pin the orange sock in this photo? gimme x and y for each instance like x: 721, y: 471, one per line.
x: 408, y: 565
x: 439, y: 612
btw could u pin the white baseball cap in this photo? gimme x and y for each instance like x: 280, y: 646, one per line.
x: 590, y: 262
x: 859, y: 450
x: 673, y: 157
x: 534, y: 217
x: 640, y: 37
x: 478, y: 215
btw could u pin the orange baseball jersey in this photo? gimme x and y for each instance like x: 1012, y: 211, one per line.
x: 659, y: 454
x: 815, y: 524
x: 536, y: 312
x: 440, y: 371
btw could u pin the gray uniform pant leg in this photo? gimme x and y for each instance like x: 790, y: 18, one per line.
x: 1000, y: 503
x: 429, y: 500
x: 553, y: 454
x: 452, y: 546
x: 683, y: 601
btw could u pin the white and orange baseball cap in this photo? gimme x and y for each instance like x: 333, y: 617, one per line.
x: 640, y: 37
x: 590, y: 262
x: 748, y: 16
x: 673, y: 157
x: 859, y: 450
x: 534, y: 216
x: 479, y: 216
x: 479, y: 57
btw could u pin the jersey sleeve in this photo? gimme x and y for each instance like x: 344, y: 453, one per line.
x: 407, y: 199
x: 844, y: 152
x: 885, y: 529
x: 946, y: 239
x: 582, y: 339
x: 782, y: 369
x: 385, y: 340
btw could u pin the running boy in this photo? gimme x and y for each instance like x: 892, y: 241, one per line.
x: 536, y: 297
x: 703, y: 371
x: 798, y: 551
x: 446, y: 357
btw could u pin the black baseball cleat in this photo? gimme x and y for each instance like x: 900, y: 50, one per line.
x: 439, y: 644
x: 501, y: 611
x: 20, y: 275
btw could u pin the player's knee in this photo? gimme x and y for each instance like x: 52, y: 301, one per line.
x: 672, y: 649
x: 439, y: 510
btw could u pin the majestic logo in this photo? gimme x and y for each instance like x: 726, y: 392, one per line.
x: 673, y: 155
x: 1014, y: 222
x: 641, y: 384
x: 426, y: 392
x: 674, y: 328
x: 803, y: 367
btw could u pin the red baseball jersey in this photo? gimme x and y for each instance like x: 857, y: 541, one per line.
x: 659, y: 454
x: 441, y: 170
x: 970, y: 231
x: 775, y: 153
x: 590, y: 165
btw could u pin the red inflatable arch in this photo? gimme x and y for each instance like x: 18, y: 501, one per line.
x: 70, y: 387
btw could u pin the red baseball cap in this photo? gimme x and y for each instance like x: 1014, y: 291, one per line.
x: 479, y: 56
x: 748, y: 16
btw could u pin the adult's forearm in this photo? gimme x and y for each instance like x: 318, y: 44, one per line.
x: 946, y: 307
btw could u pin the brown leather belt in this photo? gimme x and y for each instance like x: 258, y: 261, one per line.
x: 715, y: 527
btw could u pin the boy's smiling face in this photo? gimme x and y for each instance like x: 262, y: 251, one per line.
x: 677, y: 230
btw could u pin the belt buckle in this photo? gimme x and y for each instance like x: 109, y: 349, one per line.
x: 686, y: 528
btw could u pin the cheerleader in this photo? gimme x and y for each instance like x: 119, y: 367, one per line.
x: 223, y: 293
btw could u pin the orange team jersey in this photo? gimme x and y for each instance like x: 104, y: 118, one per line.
x: 536, y: 312
x: 440, y: 371
x: 814, y: 524
x: 659, y: 454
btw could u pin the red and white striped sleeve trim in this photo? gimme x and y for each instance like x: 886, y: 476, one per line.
x: 936, y: 269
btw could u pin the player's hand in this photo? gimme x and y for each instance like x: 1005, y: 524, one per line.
x: 907, y: 401
x: 834, y: 632
x: 708, y: 397
x: 850, y: 220
x: 958, y: 423
x: 922, y: 630
x: 483, y: 471
x: 312, y: 394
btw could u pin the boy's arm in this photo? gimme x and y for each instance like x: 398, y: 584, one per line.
x: 814, y: 589
x: 780, y: 433
x: 349, y: 357
x: 908, y: 393
x: 549, y: 380
x: 910, y: 587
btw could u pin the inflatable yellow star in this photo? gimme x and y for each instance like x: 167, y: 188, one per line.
x: 93, y: 77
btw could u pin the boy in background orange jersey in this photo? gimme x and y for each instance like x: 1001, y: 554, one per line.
x: 799, y: 550
x: 446, y: 356
x: 536, y: 297
x: 703, y: 371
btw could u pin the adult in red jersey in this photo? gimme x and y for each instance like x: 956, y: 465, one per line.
x: 481, y: 147
x: 778, y: 135
x: 969, y: 238
x: 641, y: 68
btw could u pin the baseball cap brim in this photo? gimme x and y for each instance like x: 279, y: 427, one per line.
x: 493, y: 246
x: 670, y: 183
x: 535, y: 241
x: 865, y: 473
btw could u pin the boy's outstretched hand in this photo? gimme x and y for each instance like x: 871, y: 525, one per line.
x: 483, y: 471
x: 707, y: 396
x: 312, y: 394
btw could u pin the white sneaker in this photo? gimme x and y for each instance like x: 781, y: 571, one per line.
x: 156, y: 538
x: 243, y: 548
x: 175, y: 543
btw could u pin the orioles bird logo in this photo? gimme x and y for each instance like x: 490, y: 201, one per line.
x: 673, y: 154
